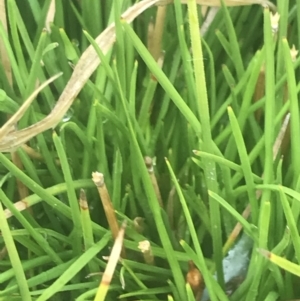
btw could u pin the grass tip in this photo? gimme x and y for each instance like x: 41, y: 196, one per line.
x: 98, y: 178
x: 149, y: 163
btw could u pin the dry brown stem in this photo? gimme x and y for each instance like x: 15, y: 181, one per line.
x: 98, y: 179
x: 11, y: 138
x: 112, y: 262
x: 150, y: 167
x: 195, y: 280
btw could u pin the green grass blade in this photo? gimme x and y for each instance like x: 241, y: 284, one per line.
x: 74, y: 268
x: 207, y: 143
x: 35, y: 234
x: 71, y: 194
x: 14, y: 256
x: 246, y: 166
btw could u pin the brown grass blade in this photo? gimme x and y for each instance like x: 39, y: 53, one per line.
x: 109, y: 210
x: 111, y: 265
x: 10, y: 140
x: 87, y: 64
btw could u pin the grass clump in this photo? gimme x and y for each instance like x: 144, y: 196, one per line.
x: 170, y: 145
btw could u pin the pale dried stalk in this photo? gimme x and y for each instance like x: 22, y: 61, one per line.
x: 109, y: 210
x: 22, y: 189
x: 145, y: 247
x: 158, y: 32
x: 50, y: 15
x: 10, y: 139
x: 150, y: 168
x: 111, y: 265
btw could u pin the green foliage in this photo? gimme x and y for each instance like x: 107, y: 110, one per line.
x: 195, y: 116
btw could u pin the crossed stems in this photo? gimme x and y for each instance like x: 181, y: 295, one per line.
x: 11, y: 139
